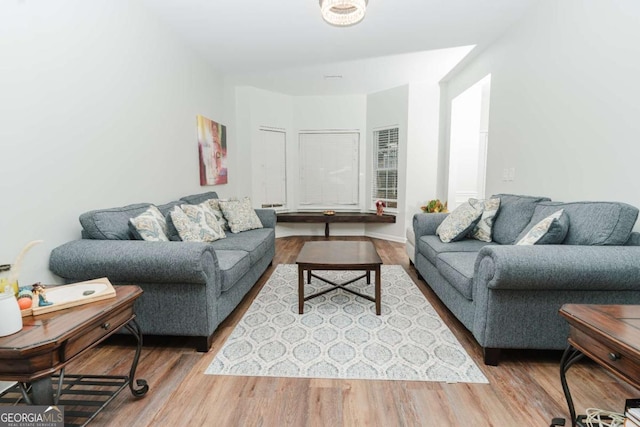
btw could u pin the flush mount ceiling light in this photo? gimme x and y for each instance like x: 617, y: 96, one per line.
x: 343, y: 12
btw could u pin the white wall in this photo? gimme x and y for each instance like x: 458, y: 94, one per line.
x: 389, y: 108
x: 98, y: 109
x: 422, y: 146
x: 256, y: 108
x: 464, y: 146
x: 564, y: 94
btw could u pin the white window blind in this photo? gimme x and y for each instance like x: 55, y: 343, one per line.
x: 385, y: 167
x: 329, y: 170
x: 273, y: 168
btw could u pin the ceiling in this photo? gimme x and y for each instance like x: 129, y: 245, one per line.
x: 253, y: 37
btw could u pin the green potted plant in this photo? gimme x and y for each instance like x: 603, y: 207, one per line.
x: 433, y: 206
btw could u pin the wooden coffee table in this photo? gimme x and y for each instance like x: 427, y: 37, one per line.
x: 338, y: 255
x: 39, y: 353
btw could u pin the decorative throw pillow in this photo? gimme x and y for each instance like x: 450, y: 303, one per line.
x: 551, y: 230
x: 150, y: 225
x: 172, y: 231
x: 192, y: 226
x: 214, y: 205
x: 204, y: 222
x: 482, y: 230
x: 459, y: 222
x: 240, y: 215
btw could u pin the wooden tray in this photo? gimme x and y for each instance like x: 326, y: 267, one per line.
x: 109, y: 292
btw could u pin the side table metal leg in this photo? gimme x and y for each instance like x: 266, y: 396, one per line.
x: 301, y: 289
x: 134, y: 328
x: 42, y: 391
x: 569, y: 357
x: 378, y: 291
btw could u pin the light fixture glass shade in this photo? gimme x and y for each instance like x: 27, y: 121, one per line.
x: 343, y: 12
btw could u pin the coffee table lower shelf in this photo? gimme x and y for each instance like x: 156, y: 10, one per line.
x: 83, y: 396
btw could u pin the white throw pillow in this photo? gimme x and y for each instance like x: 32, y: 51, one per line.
x: 214, y: 205
x: 540, y: 229
x: 240, y: 215
x: 196, y: 223
x: 483, y: 229
x: 459, y: 222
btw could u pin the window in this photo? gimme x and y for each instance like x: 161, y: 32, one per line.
x: 385, y: 167
x: 273, y: 168
x: 329, y: 170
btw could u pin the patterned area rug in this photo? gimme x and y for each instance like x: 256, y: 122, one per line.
x: 340, y: 336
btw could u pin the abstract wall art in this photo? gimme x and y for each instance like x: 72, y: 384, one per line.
x: 212, y: 150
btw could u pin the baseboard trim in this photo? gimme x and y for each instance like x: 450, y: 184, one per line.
x: 389, y: 237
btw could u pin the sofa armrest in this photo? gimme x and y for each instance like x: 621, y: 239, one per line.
x: 558, y: 267
x: 136, y: 261
x: 267, y: 217
x: 427, y: 223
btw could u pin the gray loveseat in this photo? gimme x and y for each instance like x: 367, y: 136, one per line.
x: 189, y: 287
x: 507, y: 295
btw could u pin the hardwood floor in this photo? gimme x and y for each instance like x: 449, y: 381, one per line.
x: 524, y: 389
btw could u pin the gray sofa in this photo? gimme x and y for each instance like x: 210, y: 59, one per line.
x: 507, y: 295
x: 189, y: 287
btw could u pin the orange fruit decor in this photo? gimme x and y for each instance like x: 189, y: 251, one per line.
x: 25, y: 299
x: 24, y: 303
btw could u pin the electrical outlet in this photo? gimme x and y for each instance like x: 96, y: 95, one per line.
x: 505, y: 174
x: 512, y: 174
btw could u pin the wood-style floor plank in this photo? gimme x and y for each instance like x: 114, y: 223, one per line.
x: 524, y: 389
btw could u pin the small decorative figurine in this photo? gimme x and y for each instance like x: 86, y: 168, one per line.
x: 38, y: 289
x: 380, y: 205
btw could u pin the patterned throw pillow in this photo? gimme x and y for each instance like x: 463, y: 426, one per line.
x: 150, y: 225
x: 214, y: 205
x: 240, y: 215
x: 196, y: 224
x: 482, y: 230
x: 459, y: 222
x: 549, y: 226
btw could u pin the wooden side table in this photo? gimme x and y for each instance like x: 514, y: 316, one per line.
x: 338, y: 217
x: 48, y: 342
x: 607, y: 334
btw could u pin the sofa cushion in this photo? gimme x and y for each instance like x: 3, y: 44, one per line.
x: 594, y: 223
x: 513, y: 216
x: 256, y: 242
x: 233, y: 265
x: 634, y: 239
x: 150, y: 225
x: 484, y: 228
x: 111, y: 224
x: 196, y: 199
x: 548, y: 231
x: 432, y: 246
x: 457, y: 268
x: 459, y: 222
x: 166, y: 208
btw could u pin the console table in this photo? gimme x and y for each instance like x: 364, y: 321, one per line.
x: 345, y: 217
x: 607, y: 334
x: 48, y: 342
